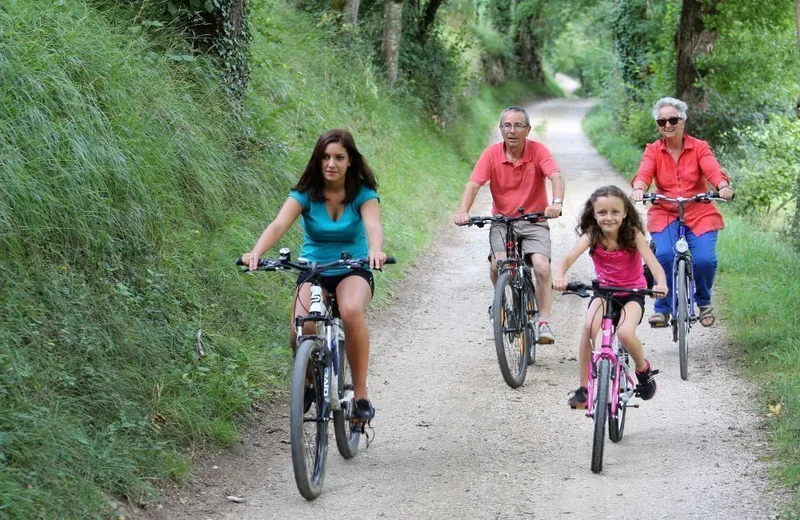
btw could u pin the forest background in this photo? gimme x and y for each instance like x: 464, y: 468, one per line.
x: 146, y: 143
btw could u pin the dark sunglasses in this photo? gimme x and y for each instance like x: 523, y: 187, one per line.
x: 672, y: 120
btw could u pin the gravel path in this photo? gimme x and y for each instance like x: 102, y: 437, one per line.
x: 452, y: 440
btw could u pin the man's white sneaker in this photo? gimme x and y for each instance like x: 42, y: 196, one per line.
x: 546, y: 336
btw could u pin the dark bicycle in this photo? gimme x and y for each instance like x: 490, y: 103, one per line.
x: 321, y: 383
x: 514, y: 310
x: 683, y: 276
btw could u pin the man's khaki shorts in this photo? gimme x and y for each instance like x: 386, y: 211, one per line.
x: 535, y: 238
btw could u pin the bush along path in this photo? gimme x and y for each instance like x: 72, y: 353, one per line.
x: 452, y: 438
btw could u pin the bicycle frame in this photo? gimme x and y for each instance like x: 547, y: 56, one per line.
x: 332, y: 333
x: 682, y: 253
x: 619, y: 366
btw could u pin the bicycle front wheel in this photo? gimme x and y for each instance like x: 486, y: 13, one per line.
x: 308, y: 427
x: 616, y: 421
x: 683, y: 318
x: 509, y: 330
x: 600, y: 411
x: 347, y: 436
x: 531, y: 315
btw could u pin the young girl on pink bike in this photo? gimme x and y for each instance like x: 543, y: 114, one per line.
x: 612, y: 230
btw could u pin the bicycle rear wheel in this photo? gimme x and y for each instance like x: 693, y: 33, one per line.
x: 308, y: 431
x: 531, y: 315
x: 600, y: 411
x: 347, y: 437
x: 683, y: 318
x: 509, y: 330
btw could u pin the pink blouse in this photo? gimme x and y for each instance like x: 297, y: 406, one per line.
x: 619, y: 268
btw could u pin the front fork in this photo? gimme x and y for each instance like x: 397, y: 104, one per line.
x: 686, y: 257
x: 605, y: 352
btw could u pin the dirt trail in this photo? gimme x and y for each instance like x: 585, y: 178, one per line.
x: 452, y: 440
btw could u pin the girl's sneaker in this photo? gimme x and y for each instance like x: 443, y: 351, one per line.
x: 579, y: 399
x: 647, y: 383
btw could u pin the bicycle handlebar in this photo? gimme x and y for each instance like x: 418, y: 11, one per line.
x: 306, y: 266
x: 581, y: 289
x: 530, y: 217
x: 700, y: 197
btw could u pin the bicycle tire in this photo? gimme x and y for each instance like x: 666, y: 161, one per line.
x: 509, y: 336
x: 308, y: 432
x: 683, y: 319
x: 616, y: 422
x: 600, y: 412
x: 347, y: 437
x: 531, y: 314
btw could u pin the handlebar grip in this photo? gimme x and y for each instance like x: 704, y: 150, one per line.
x: 575, y: 286
x: 239, y: 261
x: 716, y: 194
x: 390, y: 260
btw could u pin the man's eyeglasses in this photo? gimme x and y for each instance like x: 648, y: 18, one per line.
x: 516, y: 126
x: 672, y: 121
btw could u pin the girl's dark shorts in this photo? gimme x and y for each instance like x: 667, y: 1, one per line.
x: 619, y: 301
x: 329, y: 283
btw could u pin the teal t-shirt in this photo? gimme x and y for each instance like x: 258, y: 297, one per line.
x: 325, y: 239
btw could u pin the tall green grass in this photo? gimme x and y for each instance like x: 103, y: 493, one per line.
x: 758, y: 297
x: 760, y: 287
x: 128, y: 187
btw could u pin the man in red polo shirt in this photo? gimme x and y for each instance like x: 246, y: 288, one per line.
x: 516, y: 170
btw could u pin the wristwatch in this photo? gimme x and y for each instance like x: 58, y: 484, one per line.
x: 558, y: 201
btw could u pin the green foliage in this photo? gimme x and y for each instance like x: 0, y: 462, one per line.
x: 754, y: 68
x: 219, y: 28
x: 766, y: 166
x: 623, y: 152
x: 126, y: 333
x: 759, y: 280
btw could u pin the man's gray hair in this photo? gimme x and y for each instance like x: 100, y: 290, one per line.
x: 677, y: 104
x: 516, y: 109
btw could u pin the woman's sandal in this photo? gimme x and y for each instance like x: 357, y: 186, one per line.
x: 706, y: 316
x: 659, y: 320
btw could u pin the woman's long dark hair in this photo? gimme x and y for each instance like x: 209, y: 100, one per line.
x: 587, y: 224
x: 358, y: 173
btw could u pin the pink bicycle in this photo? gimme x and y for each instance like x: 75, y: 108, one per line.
x: 612, y: 383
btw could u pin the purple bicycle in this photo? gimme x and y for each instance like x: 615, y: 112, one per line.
x: 683, y: 276
x: 611, y: 381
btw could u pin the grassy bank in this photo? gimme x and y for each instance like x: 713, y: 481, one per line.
x: 758, y: 294
x: 128, y: 339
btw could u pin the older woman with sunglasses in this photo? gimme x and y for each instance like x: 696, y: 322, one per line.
x: 682, y: 166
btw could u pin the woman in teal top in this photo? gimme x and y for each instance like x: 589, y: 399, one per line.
x: 337, y: 198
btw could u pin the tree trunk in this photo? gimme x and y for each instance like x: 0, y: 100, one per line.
x: 797, y: 21
x: 351, y: 11
x: 390, y: 44
x: 692, y: 41
x: 430, y: 16
x: 527, y: 47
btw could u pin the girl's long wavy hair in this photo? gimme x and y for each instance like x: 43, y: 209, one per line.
x: 630, y: 224
x: 357, y: 175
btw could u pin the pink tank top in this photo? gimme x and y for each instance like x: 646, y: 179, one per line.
x: 619, y: 268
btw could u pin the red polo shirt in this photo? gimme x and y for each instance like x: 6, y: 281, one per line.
x: 519, y: 184
x: 696, y: 168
